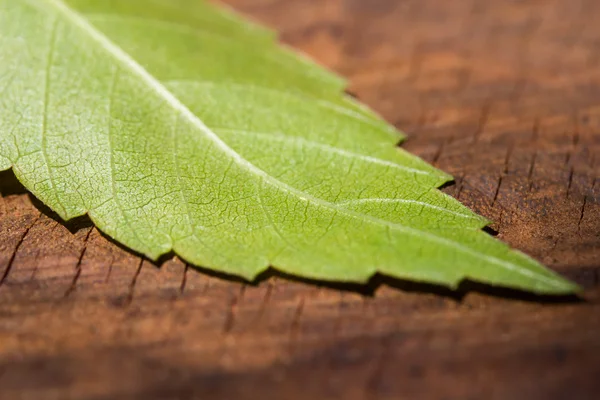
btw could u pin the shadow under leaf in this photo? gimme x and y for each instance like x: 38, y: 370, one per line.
x: 9, y: 185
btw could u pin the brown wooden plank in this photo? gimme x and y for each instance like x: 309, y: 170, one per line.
x: 504, y: 95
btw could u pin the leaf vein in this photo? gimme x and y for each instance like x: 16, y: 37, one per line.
x: 325, y: 147
x: 406, y: 201
x: 46, y: 100
x: 177, y: 105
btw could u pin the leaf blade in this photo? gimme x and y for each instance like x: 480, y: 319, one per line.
x: 167, y: 196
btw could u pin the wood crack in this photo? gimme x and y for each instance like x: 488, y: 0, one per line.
x: 73, y: 285
x: 231, y: 311
x: 130, y: 292
x: 16, y: 250
x: 184, y: 279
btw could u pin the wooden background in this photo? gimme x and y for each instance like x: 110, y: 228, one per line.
x: 505, y: 95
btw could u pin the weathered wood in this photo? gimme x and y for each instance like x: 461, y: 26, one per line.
x: 504, y: 95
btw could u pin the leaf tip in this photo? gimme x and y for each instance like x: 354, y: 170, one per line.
x: 556, y: 286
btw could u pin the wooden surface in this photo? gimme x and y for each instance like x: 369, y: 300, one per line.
x: 505, y: 95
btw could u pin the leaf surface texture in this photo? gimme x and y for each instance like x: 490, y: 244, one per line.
x: 180, y: 127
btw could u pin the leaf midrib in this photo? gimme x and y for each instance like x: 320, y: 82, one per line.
x: 177, y: 105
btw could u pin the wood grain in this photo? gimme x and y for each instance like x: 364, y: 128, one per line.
x: 504, y: 95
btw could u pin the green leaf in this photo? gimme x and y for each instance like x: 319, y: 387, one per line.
x: 179, y: 127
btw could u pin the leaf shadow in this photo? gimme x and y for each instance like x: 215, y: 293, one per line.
x: 73, y: 225
x: 378, y: 281
x: 10, y: 186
